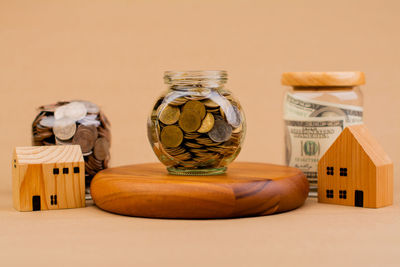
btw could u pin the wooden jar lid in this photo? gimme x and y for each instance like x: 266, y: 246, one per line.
x: 247, y: 189
x: 347, y: 78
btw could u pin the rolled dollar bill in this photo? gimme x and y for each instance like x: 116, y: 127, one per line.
x: 308, y: 139
x: 310, y: 128
x: 298, y: 107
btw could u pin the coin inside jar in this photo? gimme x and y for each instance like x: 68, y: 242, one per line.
x: 207, y: 124
x: 171, y: 136
x: 64, y: 128
x: 169, y: 115
x: 195, y: 106
x: 75, y: 111
x: 85, y: 136
x: 221, y: 131
x: 101, y: 148
x: 189, y: 121
x: 210, y: 103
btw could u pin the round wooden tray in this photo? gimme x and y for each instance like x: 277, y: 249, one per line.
x: 247, y: 189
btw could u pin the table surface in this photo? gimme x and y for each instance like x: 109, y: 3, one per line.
x: 313, y: 235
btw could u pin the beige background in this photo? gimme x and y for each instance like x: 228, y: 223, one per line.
x: 114, y: 53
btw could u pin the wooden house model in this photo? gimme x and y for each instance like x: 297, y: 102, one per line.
x: 355, y: 171
x: 48, y: 177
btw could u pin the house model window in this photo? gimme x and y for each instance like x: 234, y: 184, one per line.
x: 53, y: 199
x: 76, y: 169
x: 56, y: 171
x: 329, y: 170
x: 65, y: 170
x: 342, y: 194
x: 343, y: 171
x: 329, y: 193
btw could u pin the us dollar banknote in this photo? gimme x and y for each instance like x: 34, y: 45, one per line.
x: 297, y: 107
x: 310, y: 129
x: 307, y: 140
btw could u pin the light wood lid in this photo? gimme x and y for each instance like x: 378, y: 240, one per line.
x: 346, y: 78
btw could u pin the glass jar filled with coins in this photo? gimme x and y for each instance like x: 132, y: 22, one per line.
x: 196, y: 127
x: 78, y: 123
x: 317, y: 107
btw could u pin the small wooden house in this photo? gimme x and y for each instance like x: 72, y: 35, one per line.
x: 48, y: 177
x: 355, y: 171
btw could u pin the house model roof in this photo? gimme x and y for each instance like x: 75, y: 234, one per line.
x: 369, y: 144
x: 48, y: 154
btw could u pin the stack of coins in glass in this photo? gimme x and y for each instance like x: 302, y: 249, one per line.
x: 78, y: 123
x: 196, y: 132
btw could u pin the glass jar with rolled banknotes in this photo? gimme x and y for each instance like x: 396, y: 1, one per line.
x: 76, y: 122
x: 196, y: 127
x: 317, y: 107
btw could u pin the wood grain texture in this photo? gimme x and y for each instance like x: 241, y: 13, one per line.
x: 368, y: 169
x: 32, y: 176
x: 247, y: 189
x: 349, y: 78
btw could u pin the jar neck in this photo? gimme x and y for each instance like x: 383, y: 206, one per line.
x: 195, y: 80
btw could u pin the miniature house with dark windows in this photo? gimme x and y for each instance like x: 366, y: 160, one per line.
x: 48, y: 177
x: 355, y: 171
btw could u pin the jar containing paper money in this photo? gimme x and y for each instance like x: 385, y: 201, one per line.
x: 196, y: 127
x: 79, y: 123
x: 317, y: 107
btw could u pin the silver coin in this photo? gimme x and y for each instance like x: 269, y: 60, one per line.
x: 64, y: 128
x: 47, y: 121
x: 63, y: 142
x: 75, y: 111
x: 87, y: 154
x: 221, y: 131
x: 59, y: 113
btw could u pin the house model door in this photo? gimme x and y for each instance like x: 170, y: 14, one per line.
x: 359, y: 198
x: 36, y: 203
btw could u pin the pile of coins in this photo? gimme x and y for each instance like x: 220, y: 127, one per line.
x: 78, y: 123
x: 196, y: 132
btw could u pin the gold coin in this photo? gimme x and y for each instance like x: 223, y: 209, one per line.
x: 210, y: 104
x: 207, y: 124
x: 214, y: 110
x: 169, y: 115
x: 222, y: 112
x: 178, y: 101
x: 189, y: 121
x: 238, y: 129
x: 171, y: 136
x: 191, y: 135
x: 195, y: 106
x: 175, y: 151
x: 193, y: 145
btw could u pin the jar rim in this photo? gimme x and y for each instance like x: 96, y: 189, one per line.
x: 327, y: 79
x: 173, y: 77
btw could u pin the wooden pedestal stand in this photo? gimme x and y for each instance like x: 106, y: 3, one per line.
x: 247, y: 189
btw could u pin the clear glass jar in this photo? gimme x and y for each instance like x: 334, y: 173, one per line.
x: 76, y: 122
x: 317, y: 107
x: 196, y: 127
